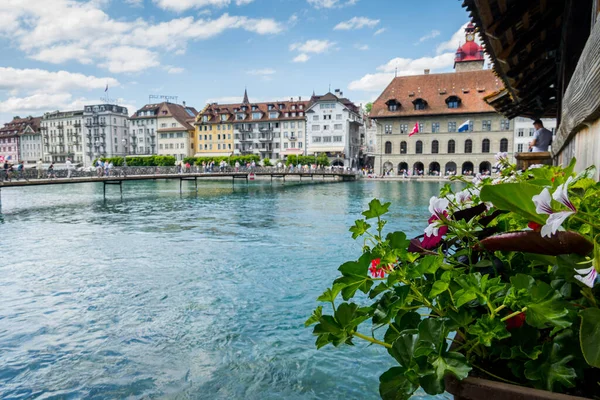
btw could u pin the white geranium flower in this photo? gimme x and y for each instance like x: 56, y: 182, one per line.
x: 554, y: 222
x: 437, y: 206
x: 587, y: 276
x: 562, y: 194
x: 543, y: 202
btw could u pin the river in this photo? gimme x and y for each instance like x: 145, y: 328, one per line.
x: 184, y: 296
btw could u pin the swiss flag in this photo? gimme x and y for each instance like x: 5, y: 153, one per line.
x: 415, y: 130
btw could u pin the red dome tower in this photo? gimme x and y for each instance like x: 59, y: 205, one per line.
x: 469, y: 57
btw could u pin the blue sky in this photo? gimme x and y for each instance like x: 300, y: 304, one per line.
x: 60, y: 54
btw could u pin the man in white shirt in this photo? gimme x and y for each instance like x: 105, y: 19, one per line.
x: 40, y: 168
x: 69, y: 165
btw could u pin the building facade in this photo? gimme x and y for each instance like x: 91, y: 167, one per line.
x: 62, y: 137
x: 333, y: 128
x: 369, y: 142
x: 106, y: 132
x: 214, y: 131
x: 176, y: 130
x: 524, y: 131
x: 20, y: 140
x: 438, y: 105
x: 143, y: 125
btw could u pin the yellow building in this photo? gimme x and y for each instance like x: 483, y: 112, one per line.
x: 176, y: 134
x: 214, y: 131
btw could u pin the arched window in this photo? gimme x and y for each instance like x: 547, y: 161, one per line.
x: 468, y: 146
x: 420, y: 104
x: 504, y: 145
x: 419, y: 148
x: 403, y: 148
x: 485, y: 146
x: 388, y: 147
x: 451, y: 146
x: 453, y: 101
x: 435, y: 147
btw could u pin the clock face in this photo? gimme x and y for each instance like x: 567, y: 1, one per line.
x: 470, y: 37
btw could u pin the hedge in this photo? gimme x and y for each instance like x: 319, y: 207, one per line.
x: 141, y: 161
x: 307, y: 160
x: 243, y: 160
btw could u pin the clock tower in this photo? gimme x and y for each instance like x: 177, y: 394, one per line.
x: 469, y: 57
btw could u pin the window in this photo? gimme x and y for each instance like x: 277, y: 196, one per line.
x: 326, y: 127
x: 435, y: 147
x: 337, y: 127
x: 421, y: 127
x: 521, y: 132
x: 451, y: 146
x: 520, y: 148
x: 531, y: 131
x: 299, y: 145
x: 255, y: 115
x: 468, y: 146
x: 388, y: 129
x: 327, y: 139
x: 451, y: 126
x: 316, y: 128
x: 292, y: 125
x: 316, y: 139
x: 403, y: 128
x: 452, y: 102
x: 239, y: 117
x: 205, y: 118
x: 224, y: 117
x: 338, y: 117
x: 285, y: 145
x: 326, y: 117
x: 273, y: 115
x: 403, y: 147
x: 505, y: 125
x: 388, y: 147
x: 486, y: 125
x: 485, y: 146
x: 435, y: 127
x: 173, y: 125
x: 504, y: 145
x: 419, y: 104
x: 419, y: 147
x: 315, y: 117
x: 337, y: 138
x: 325, y: 106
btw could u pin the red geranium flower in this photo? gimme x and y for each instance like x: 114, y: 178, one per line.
x: 515, y: 322
x: 375, y: 269
x: 534, y: 226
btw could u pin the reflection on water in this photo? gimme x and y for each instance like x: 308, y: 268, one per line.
x: 203, y: 296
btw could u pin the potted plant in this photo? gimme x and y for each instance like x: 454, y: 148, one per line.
x: 500, y: 288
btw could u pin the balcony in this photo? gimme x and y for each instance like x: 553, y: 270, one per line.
x: 293, y: 138
x: 245, y: 139
x: 43, y: 128
x: 102, y: 123
x: 77, y: 125
x: 89, y: 124
x: 246, y: 129
x: 60, y: 126
x: 266, y: 150
x: 265, y: 137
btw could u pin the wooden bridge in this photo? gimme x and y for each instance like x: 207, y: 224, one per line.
x: 122, y: 175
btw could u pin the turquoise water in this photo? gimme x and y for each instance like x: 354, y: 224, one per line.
x: 192, y: 296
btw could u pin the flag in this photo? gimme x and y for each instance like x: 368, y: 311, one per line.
x: 106, y: 90
x: 415, y: 130
x: 464, y: 127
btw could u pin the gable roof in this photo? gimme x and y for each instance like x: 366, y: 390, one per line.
x: 180, y: 113
x: 470, y: 87
x: 19, y: 126
x: 332, y: 97
x: 215, y: 111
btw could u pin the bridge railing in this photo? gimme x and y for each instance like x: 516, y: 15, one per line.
x: 31, y: 174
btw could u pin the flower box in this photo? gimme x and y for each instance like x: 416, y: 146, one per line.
x: 525, y: 160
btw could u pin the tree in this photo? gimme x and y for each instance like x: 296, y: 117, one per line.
x: 368, y: 107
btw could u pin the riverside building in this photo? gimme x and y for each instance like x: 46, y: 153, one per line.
x: 62, y: 137
x: 106, y: 131
x: 458, y: 132
x: 143, y: 125
x: 333, y: 128
x: 20, y: 140
x: 176, y: 130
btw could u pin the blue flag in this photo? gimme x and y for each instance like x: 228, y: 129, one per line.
x: 464, y: 127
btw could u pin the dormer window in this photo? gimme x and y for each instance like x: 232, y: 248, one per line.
x: 244, y: 108
x: 256, y: 115
x: 419, y: 104
x: 393, y: 105
x: 205, y: 118
x: 270, y: 107
x: 239, y: 117
x: 293, y: 107
x: 273, y: 115
x: 254, y: 108
x: 281, y: 106
x: 453, y: 101
x: 224, y: 117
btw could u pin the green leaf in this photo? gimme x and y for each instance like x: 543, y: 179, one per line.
x: 358, y: 268
x: 322, y: 340
x: 353, y: 283
x: 405, y: 320
x: 330, y: 294
x: 360, y: 228
x: 432, y: 331
x: 438, y: 287
x: 394, y: 385
x: 376, y: 209
x: 459, y: 319
x: 515, y: 197
x: 546, y: 308
x: 589, y: 336
x: 550, y: 369
x: 404, y: 346
x: 450, y: 363
x: 522, y: 281
x: 345, y: 313
x: 382, y: 287
x: 327, y: 324
x: 488, y: 329
x: 398, y: 240
x: 314, y: 318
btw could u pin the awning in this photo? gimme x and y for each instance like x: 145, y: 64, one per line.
x: 339, y: 149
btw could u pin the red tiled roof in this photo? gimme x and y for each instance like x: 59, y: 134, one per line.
x: 18, y: 125
x: 179, y: 112
x: 470, y: 87
x: 216, y: 110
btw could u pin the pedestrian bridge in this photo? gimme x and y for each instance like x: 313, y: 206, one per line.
x: 119, y: 175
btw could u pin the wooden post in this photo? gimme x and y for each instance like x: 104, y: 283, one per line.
x: 104, y: 190
x: 180, y: 185
x: 121, y: 188
x: 196, y: 183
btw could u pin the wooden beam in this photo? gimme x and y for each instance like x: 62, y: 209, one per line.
x: 501, y: 24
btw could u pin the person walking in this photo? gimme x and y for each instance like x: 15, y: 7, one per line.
x: 51, y: 171
x: 69, y: 165
x: 21, y: 170
x: 188, y: 167
x: 40, y: 167
x: 106, y: 168
x: 5, y: 169
x: 542, y: 138
x: 237, y: 166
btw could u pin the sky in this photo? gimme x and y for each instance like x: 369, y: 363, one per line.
x: 62, y: 54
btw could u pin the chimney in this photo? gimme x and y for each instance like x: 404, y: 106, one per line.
x: 184, y: 103
x: 427, y: 71
x: 299, y: 98
x: 291, y: 99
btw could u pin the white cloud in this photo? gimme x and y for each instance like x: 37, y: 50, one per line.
x: 379, y: 31
x: 356, y: 23
x: 362, y: 47
x: 182, y: 5
x: 301, y: 58
x: 34, y: 103
x: 174, y: 70
x: 331, y: 3
x: 312, y: 46
x: 135, y: 3
x: 452, y: 44
x: 431, y: 35
x: 57, y: 31
x: 242, y: 2
x: 36, y: 80
x: 261, y: 72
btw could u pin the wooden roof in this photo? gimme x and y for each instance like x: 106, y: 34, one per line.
x: 523, y: 39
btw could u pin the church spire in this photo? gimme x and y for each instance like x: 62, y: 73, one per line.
x: 245, y: 97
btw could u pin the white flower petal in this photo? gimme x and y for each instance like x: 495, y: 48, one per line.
x: 584, y: 271
x: 588, y: 279
x: 432, y: 229
x: 561, y: 194
x: 554, y: 222
x: 543, y: 202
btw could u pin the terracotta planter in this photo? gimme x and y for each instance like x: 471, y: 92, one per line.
x: 483, y: 389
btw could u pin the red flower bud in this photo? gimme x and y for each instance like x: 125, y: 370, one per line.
x: 534, y: 226
x: 515, y: 322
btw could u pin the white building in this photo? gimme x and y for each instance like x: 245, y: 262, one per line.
x: 143, y: 126
x: 369, y: 142
x: 62, y: 137
x: 31, y: 150
x: 106, y: 131
x: 524, y: 131
x: 333, y: 125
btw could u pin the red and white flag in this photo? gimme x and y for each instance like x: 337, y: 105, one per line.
x: 415, y: 130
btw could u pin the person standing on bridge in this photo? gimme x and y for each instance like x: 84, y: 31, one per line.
x: 51, y: 171
x: 69, y: 165
x: 5, y: 169
x: 40, y: 167
x: 237, y: 166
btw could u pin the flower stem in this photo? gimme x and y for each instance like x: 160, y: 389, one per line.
x: 509, y: 316
x: 499, y: 308
x: 494, y: 376
x: 372, y: 340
